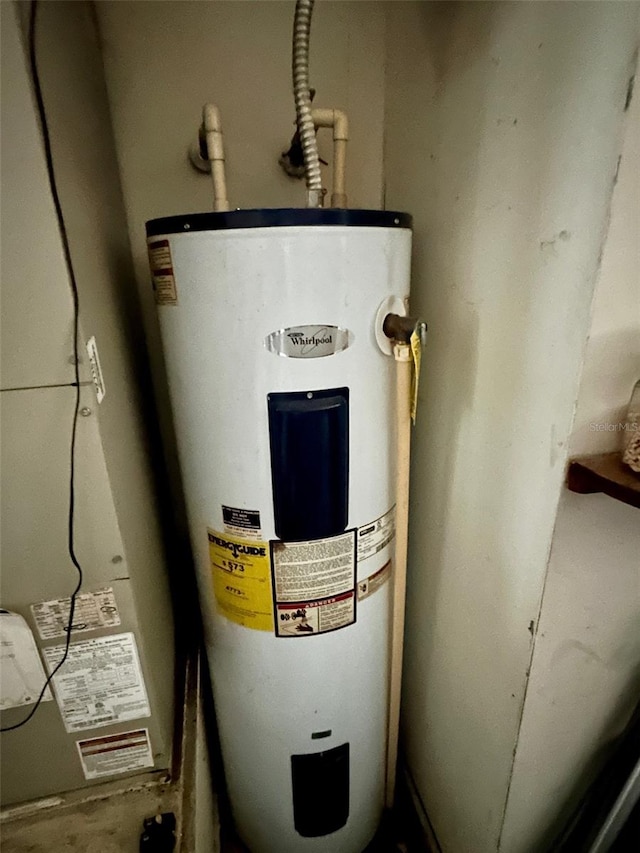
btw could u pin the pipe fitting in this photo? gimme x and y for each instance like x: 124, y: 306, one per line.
x: 212, y: 127
x: 338, y: 122
x: 399, y: 329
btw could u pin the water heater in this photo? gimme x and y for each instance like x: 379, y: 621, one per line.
x: 283, y: 394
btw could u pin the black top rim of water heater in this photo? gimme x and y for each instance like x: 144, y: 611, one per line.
x: 277, y: 218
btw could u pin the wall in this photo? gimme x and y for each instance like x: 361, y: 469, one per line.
x: 118, y: 531
x: 503, y: 131
x: 585, y: 674
x: 164, y: 60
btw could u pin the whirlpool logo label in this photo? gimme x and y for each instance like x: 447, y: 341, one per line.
x: 308, y: 341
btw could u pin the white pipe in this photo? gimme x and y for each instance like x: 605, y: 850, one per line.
x: 215, y: 152
x: 402, y: 353
x: 337, y: 120
x: 306, y: 130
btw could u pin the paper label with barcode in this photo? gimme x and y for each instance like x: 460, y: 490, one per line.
x: 100, y: 683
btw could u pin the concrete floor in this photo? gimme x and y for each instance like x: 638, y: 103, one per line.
x: 110, y: 823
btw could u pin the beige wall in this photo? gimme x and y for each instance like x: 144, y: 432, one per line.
x: 585, y: 673
x: 503, y: 130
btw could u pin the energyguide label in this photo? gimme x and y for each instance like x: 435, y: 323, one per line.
x: 241, y: 579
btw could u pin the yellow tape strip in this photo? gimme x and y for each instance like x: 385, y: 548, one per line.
x: 416, y: 353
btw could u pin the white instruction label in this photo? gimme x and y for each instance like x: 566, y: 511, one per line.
x: 161, y: 263
x: 93, y: 610
x: 100, y: 683
x: 376, y: 535
x: 315, y: 569
x: 113, y: 754
x: 314, y: 585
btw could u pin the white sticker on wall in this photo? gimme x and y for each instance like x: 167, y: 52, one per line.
x: 376, y: 535
x: 100, y: 683
x: 112, y: 754
x: 22, y: 675
x: 96, y: 369
x: 93, y: 610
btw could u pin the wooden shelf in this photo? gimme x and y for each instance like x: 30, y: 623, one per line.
x: 604, y: 473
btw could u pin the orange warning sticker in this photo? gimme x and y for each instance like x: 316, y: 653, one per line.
x: 241, y: 571
x: 161, y: 263
x: 373, y: 583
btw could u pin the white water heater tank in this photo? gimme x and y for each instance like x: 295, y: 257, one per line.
x: 282, y: 388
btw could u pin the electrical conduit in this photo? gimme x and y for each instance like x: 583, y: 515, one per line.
x: 304, y: 118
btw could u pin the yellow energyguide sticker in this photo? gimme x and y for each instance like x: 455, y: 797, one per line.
x: 241, y: 570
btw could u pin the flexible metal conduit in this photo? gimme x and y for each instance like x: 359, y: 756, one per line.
x: 306, y: 129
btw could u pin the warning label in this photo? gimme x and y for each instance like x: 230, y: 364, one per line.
x: 161, y: 263
x: 242, y: 522
x: 100, y: 683
x: 376, y: 535
x: 242, y: 580
x: 373, y: 583
x: 112, y: 754
x: 315, y: 617
x: 93, y: 610
x: 314, y: 585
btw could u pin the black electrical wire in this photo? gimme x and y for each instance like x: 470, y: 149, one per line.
x: 76, y: 357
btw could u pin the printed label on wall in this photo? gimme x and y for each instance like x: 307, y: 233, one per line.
x: 113, y: 754
x: 374, y: 582
x: 242, y: 579
x: 96, y: 369
x: 100, y: 683
x: 93, y: 610
x: 314, y: 585
x: 241, y: 522
x: 308, y: 341
x: 162, y: 277
x: 376, y: 535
